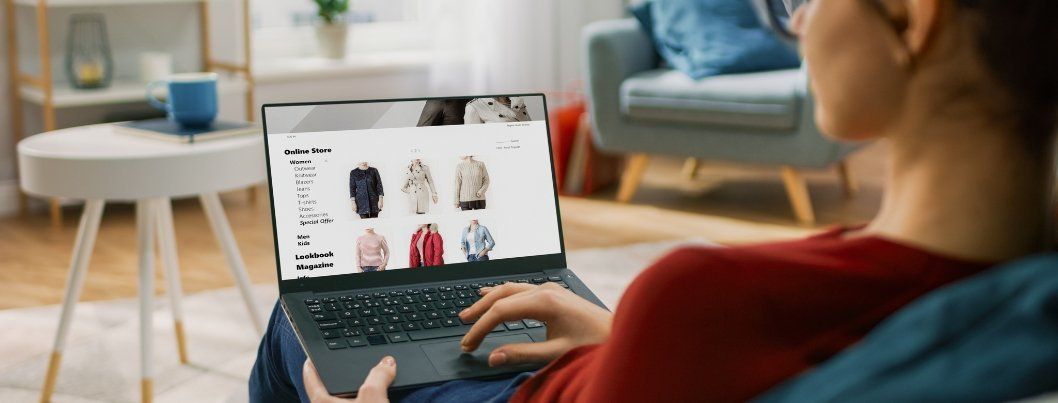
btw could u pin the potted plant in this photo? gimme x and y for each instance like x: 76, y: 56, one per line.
x: 332, y: 31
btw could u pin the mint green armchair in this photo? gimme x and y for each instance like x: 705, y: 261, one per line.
x: 641, y: 109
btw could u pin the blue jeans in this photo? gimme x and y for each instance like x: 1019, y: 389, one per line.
x: 369, y: 269
x: 475, y: 258
x: 276, y: 375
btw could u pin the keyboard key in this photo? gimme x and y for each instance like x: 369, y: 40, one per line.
x: 329, y: 300
x: 427, y: 334
x: 461, y: 287
x: 376, y: 339
x: 413, y: 316
x: 423, y: 307
x: 330, y: 334
x: 411, y: 291
x: 394, y: 319
x: 390, y: 328
x: 372, y: 330
x: 533, y: 323
x: 334, y: 306
x: 387, y: 311
x: 476, y: 286
x: 427, y: 298
x: 322, y: 316
x: 374, y: 320
x: 463, y: 303
x: 405, y: 309
x: 448, y: 295
x: 442, y: 304
x: 330, y: 325
x: 358, y: 341
x: 444, y: 288
x: 355, y: 322
x: 352, y: 305
x: 396, y: 293
x: 378, y: 295
x: 362, y: 296
x: 451, y: 313
x: 430, y: 324
x: 312, y: 301
x: 348, y: 315
x: 434, y: 315
x: 351, y: 332
x: 467, y: 322
x: 429, y: 290
x: 554, y: 279
x: 315, y: 308
x: 366, y: 312
x: 336, y: 344
x: 410, y: 326
x: 498, y: 328
x: 345, y: 298
x: 398, y: 338
x: 449, y: 322
x: 516, y: 325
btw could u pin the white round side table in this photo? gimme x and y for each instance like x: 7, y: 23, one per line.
x: 96, y: 163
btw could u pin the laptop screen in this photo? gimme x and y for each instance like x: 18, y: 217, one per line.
x: 398, y: 185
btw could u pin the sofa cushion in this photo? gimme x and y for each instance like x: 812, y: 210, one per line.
x: 711, y: 37
x: 765, y: 100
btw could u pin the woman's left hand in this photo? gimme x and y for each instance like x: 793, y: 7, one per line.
x: 374, y: 389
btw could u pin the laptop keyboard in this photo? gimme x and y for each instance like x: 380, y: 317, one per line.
x: 397, y: 316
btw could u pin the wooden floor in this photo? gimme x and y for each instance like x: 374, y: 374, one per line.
x: 726, y: 204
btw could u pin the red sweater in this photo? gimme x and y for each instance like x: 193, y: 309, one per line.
x: 726, y: 324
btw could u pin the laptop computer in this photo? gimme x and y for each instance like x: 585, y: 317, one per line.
x: 389, y: 215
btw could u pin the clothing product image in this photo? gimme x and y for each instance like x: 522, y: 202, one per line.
x: 365, y: 187
x: 372, y: 250
x: 472, y: 181
x: 494, y: 110
x: 472, y: 205
x: 427, y: 249
x: 473, y: 241
x: 418, y: 184
x: 443, y: 112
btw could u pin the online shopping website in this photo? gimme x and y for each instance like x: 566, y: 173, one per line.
x: 410, y: 185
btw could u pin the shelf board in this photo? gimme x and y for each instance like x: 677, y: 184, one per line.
x: 99, y: 3
x: 118, y: 92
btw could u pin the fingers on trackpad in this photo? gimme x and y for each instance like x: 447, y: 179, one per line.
x: 448, y: 357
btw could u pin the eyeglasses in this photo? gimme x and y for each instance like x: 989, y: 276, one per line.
x: 775, y: 14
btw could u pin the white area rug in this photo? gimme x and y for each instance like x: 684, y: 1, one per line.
x: 101, y: 361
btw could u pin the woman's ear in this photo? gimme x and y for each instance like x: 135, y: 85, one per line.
x: 915, y: 22
x: 923, y: 16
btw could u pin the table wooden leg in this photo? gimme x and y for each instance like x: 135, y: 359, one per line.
x: 222, y: 229
x: 82, y: 253
x: 167, y: 247
x: 145, y: 228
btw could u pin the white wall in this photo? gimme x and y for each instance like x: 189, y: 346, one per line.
x: 134, y: 29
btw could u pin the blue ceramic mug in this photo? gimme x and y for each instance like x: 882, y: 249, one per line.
x: 192, y: 100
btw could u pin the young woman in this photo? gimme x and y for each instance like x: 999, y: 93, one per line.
x: 962, y: 90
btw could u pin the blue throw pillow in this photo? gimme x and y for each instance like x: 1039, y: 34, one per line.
x: 705, y: 38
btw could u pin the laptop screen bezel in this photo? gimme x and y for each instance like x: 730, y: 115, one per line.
x: 392, y: 278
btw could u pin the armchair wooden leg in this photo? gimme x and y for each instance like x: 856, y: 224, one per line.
x: 55, y: 211
x: 690, y: 168
x: 848, y: 182
x: 797, y: 191
x: 633, y: 173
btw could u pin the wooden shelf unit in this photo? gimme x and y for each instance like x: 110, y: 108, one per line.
x: 40, y: 88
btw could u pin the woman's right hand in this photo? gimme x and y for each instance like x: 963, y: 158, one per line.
x: 571, y: 321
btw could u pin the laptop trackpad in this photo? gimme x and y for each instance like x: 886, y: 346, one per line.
x: 449, y: 359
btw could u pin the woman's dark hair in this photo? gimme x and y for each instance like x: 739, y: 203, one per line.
x: 1018, y: 40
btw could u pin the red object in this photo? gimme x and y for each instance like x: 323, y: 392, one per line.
x: 432, y: 250
x: 726, y: 324
x: 564, y: 121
